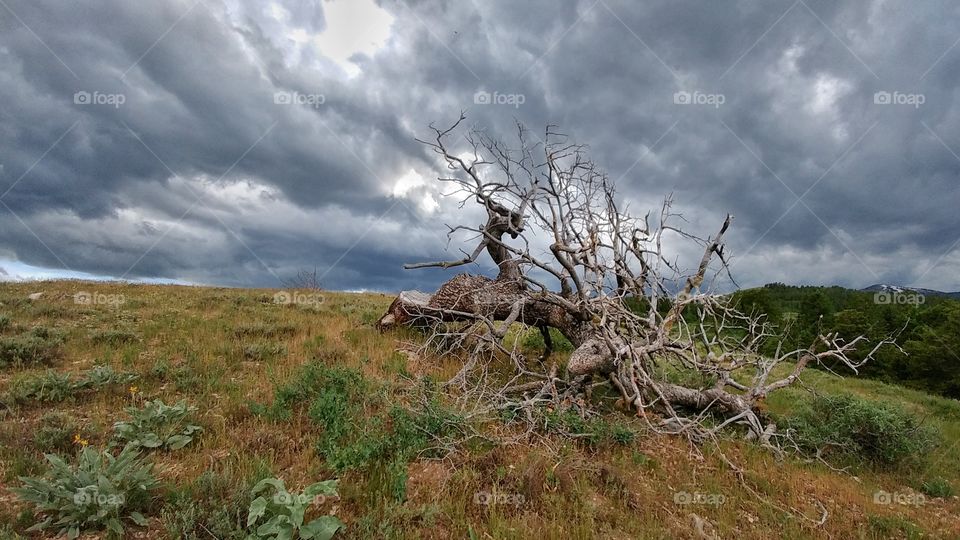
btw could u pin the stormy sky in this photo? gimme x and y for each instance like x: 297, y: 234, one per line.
x: 234, y: 142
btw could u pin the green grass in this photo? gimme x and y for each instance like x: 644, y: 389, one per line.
x: 310, y: 394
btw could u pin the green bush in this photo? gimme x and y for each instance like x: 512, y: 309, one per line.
x: 113, y: 337
x: 264, y: 330
x: 103, y: 376
x: 52, y: 386
x: 592, y: 431
x: 36, y: 348
x: 214, y: 505
x: 361, y: 429
x: 100, y: 491
x: 55, y: 433
x: 282, y: 513
x: 533, y: 340
x: 855, y: 429
x: 937, y: 487
x: 4, y: 322
x: 260, y: 352
x: 157, y: 425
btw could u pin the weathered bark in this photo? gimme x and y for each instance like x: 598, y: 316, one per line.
x: 468, y: 297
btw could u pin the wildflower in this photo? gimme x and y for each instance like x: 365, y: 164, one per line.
x: 80, y: 441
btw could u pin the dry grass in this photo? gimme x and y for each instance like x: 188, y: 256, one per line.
x: 225, y: 349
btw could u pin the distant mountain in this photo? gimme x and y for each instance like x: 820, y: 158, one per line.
x: 880, y: 287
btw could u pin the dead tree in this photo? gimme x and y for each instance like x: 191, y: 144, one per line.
x: 570, y: 258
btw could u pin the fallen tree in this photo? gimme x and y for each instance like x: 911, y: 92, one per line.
x: 570, y: 258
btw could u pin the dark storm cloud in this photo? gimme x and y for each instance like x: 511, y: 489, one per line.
x: 199, y: 174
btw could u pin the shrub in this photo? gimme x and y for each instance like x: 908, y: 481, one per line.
x: 100, y: 491
x: 102, y: 376
x: 264, y: 330
x: 533, y: 340
x: 853, y: 428
x: 4, y: 322
x: 55, y: 433
x: 592, y: 431
x: 283, y: 512
x: 54, y: 386
x: 157, y: 425
x: 214, y: 505
x: 49, y: 387
x: 937, y: 487
x: 361, y: 429
x: 36, y: 348
x: 263, y: 351
x: 113, y: 337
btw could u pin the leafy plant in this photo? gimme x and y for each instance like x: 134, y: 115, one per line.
x: 99, y: 492
x: 283, y: 512
x: 341, y: 401
x: 55, y: 432
x: 53, y: 386
x: 214, y: 505
x: 39, y: 347
x: 938, y: 487
x: 158, y: 425
x: 101, y: 376
x: 49, y: 387
x: 114, y: 336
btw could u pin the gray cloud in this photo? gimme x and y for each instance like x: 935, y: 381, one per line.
x: 200, y: 175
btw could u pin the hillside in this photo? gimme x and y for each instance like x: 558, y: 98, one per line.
x: 310, y: 391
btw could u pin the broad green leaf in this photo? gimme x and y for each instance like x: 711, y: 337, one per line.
x: 322, y: 528
x: 275, y: 482
x: 328, y: 488
x: 257, y: 509
x: 177, y: 442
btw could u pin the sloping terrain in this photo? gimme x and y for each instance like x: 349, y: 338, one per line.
x: 302, y: 387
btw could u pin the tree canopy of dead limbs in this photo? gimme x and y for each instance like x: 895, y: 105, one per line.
x: 572, y: 257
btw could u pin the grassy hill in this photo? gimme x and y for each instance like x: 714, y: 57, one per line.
x: 311, y: 391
